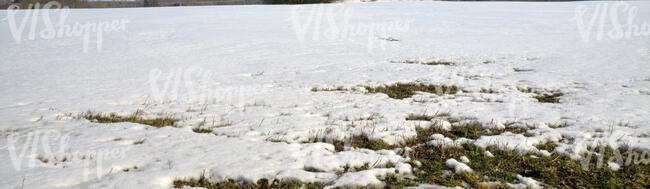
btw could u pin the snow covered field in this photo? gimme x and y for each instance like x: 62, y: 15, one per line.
x: 248, y: 72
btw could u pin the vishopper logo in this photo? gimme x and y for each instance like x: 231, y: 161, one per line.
x: 334, y: 22
x: 38, y: 17
x: 33, y: 149
x: 612, y: 157
x: 605, y: 19
x: 194, y: 84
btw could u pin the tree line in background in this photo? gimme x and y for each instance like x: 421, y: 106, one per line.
x: 28, y: 4
x: 150, y: 3
x: 32, y: 4
x: 297, y: 1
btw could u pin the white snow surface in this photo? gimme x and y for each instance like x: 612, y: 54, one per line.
x: 458, y: 167
x: 613, y: 166
x: 250, y: 70
x: 488, y: 154
x: 526, y: 182
x: 464, y: 159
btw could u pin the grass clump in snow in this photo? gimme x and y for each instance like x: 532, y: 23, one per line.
x: 406, y: 90
x: 522, y: 70
x: 362, y: 141
x: 429, y: 63
x: 555, y: 170
x: 433, y: 169
x: 549, y: 98
x: 392, y: 181
x: 400, y: 90
x: 461, y: 128
x: 339, y: 88
x: 139, y: 142
x: 425, y: 117
x: 504, y: 166
x: 135, y: 167
x: 488, y: 91
x: 434, y: 63
x: 543, y: 96
x: 339, y: 145
x: 204, y: 182
x: 42, y: 158
x: 357, y: 141
x: 134, y: 118
x: 202, y: 130
x: 525, y: 89
x: 548, y: 146
x: 557, y: 125
x: 348, y: 169
x: 208, y: 129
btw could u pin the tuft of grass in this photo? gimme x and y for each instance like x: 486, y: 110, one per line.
x: 42, y: 158
x: 489, y: 91
x: 557, y: 125
x: 373, y: 116
x: 429, y: 63
x: 525, y: 89
x: 393, y: 182
x: 204, y: 182
x: 557, y: 171
x: 522, y: 70
x: 139, y: 142
x: 427, y: 117
x: 466, y: 129
x: 433, y: 63
x: 401, y: 90
x: 406, y: 90
x: 129, y: 168
x: 364, y: 167
x: 390, y: 165
x: 134, y: 118
x: 359, y: 141
x: 202, y: 130
x: 208, y: 129
x: 543, y: 96
x: 362, y: 141
x: 347, y: 169
x: 388, y: 39
x: 339, y: 88
x: 434, y: 170
x: 339, y: 146
x: 548, y: 146
x: 311, y: 169
x: 549, y: 98
x: 419, y: 117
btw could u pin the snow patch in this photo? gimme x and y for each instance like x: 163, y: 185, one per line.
x: 458, y: 166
